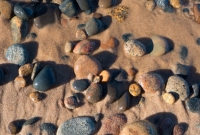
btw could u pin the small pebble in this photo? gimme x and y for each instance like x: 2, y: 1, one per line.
x: 19, y: 82
x: 131, y: 72
x: 111, y: 43
x: 124, y: 102
x: 84, y: 47
x: 80, y: 85
x: 105, y: 3
x: 176, y: 3
x: 196, y: 11
x: 12, y: 128
x: 198, y: 41
x: 105, y: 76
x: 49, y: 128
x: 5, y: 9
x: 178, y: 130
x: 127, y: 36
x: 168, y: 98
x: 69, y: 46
x: 193, y: 105
x: 195, y: 88
x: 93, y: 26
x: 97, y: 15
x: 97, y: 79
x: 25, y: 70
x: 183, y: 52
x: 180, y: 70
x: 64, y: 22
x: 71, y: 102
x: 36, y: 70
x: 80, y: 34
x: 35, y: 96
x: 150, y: 5
x: 111, y: 94
x: 166, y: 125
x: 94, y: 93
x: 17, y: 54
x: 31, y: 121
x: 135, y: 89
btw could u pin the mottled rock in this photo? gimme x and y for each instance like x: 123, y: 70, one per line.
x: 36, y: 70
x: 80, y: 34
x: 31, y: 121
x: 123, y: 102
x: 45, y: 79
x: 111, y: 43
x: 180, y: 70
x: 168, y: 98
x: 25, y: 70
x: 165, y: 125
x: 69, y: 46
x: 105, y: 3
x: 94, y: 93
x: 111, y: 94
x: 84, y: 47
x: 162, y: 3
x: 142, y: 127
x: 49, y: 128
x: 23, y: 12
x: 85, y: 65
x: 68, y: 8
x: 195, y: 88
x: 193, y: 105
x: 71, y: 102
x: 13, y: 128
x: 19, y: 82
x: 176, y: 3
x: 5, y: 9
x: 93, y: 26
x: 105, y: 76
x: 178, y: 85
x: 150, y: 5
x: 80, y: 85
x: 134, y: 48
x: 79, y: 126
x: 151, y: 82
x: 178, y: 130
x: 35, y: 96
x: 135, y: 89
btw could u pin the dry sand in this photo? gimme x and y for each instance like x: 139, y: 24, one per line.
x: 48, y: 46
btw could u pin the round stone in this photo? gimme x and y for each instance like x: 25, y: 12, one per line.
x: 93, y: 26
x: 17, y: 54
x: 150, y: 5
x: 105, y: 3
x: 80, y: 85
x: 45, y: 79
x: 142, y: 127
x: 80, y: 34
x: 180, y: 70
x: 19, y: 82
x: 193, y: 105
x: 135, y: 89
x: 71, y: 102
x: 123, y: 102
x: 151, y: 82
x: 105, y: 76
x: 25, y: 70
x: 49, y: 128
x: 94, y: 93
x: 69, y: 46
x: 35, y: 96
x: 12, y: 128
x: 176, y: 3
x: 134, y: 48
x: 178, y: 85
x: 168, y: 98
x: 5, y: 9
x: 111, y: 94
x: 178, y: 130
x: 84, y: 47
x: 78, y: 126
x: 85, y: 65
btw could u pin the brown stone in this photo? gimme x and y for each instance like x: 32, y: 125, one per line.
x: 111, y: 43
x: 12, y: 128
x: 196, y: 13
x: 84, y: 47
x: 63, y: 22
x: 94, y: 93
x: 71, y: 102
x: 19, y: 82
x: 105, y: 3
x: 131, y: 72
x: 5, y: 9
x: 35, y: 96
x: 25, y: 70
x: 80, y: 34
x: 178, y: 130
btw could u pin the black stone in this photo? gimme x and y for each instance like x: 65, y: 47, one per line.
x: 41, y: 10
x: 49, y: 128
x: 126, y: 36
x: 198, y: 41
x: 124, y: 102
x: 1, y: 75
x: 186, y: 10
x: 23, y: 12
x: 32, y: 121
x: 45, y: 79
x: 68, y: 8
x: 193, y: 105
x: 183, y: 52
x: 80, y: 85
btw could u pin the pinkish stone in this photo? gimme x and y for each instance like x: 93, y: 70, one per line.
x: 84, y: 47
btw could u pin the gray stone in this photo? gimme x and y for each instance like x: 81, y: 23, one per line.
x: 83, y: 4
x: 111, y: 94
x: 124, y: 102
x: 180, y: 70
x: 68, y: 8
x: 49, y: 128
x: 23, y: 12
x: 93, y: 26
x: 80, y: 85
x: 193, y: 105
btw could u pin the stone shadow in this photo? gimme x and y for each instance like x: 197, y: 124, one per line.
x: 19, y: 124
x: 147, y: 42
x: 107, y: 20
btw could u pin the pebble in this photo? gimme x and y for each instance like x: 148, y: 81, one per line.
x: 124, y: 102
x: 111, y: 94
x: 178, y: 130
x: 160, y: 45
x: 195, y: 88
x: 68, y: 8
x: 45, y: 79
x: 85, y: 65
x: 168, y: 98
x: 19, y: 29
x: 112, y: 124
x: 36, y: 70
x: 183, y: 52
x: 196, y: 13
x: 94, y: 93
x: 134, y: 48
x: 141, y: 127
x: 135, y: 89
x: 71, y: 102
x: 180, y: 70
x: 150, y: 5
x: 19, y: 82
x: 97, y: 15
x: 176, y: 3
x: 12, y: 128
x: 105, y: 3
x: 162, y: 3
x: 23, y: 12
x: 198, y: 41
x: 84, y: 47
x: 105, y: 76
x: 84, y: 5
x: 165, y: 125
x: 151, y: 82
x: 80, y: 34
x: 31, y: 121
x: 127, y: 36
x: 77, y: 126
x: 131, y: 72
x: 93, y: 26
x: 111, y: 43
x: 178, y: 85
x: 5, y: 9
x: 1, y: 75
x: 80, y: 85
x: 49, y: 128
x: 193, y: 105
x: 69, y: 46
x: 97, y: 79
x: 35, y: 96
x: 25, y: 70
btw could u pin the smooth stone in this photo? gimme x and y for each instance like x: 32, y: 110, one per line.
x: 94, y: 93
x: 183, y: 52
x: 19, y: 29
x: 84, y: 47
x: 178, y: 130
x: 111, y: 94
x: 124, y: 102
x: 22, y: 11
x: 83, y: 4
x: 168, y: 98
x: 105, y: 76
x: 1, y: 75
x: 17, y: 54
x: 176, y: 3
x: 193, y: 105
x: 112, y: 124
x: 13, y: 128
x: 69, y: 46
x: 85, y: 65
x: 141, y: 127
x: 134, y: 48
x: 160, y: 45
x: 35, y: 96
x: 77, y: 126
x: 105, y: 3
x: 178, y: 85
x: 150, y: 5
x: 68, y: 8
x: 32, y: 121
x: 25, y: 70
x: 135, y: 90
x: 45, y: 79
x: 195, y: 88
x: 80, y: 85
x: 196, y: 11
x: 71, y: 102
x: 93, y: 26
x: 180, y: 70
x: 5, y: 9
x: 151, y: 82
x: 80, y: 34
x: 166, y: 125
x: 162, y: 3
x: 111, y: 43
x: 49, y: 128
x: 19, y: 82
x: 36, y: 69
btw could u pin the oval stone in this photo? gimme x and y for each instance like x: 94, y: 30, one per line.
x: 124, y: 102
x: 80, y: 85
x: 162, y: 3
x: 83, y: 4
x: 180, y: 70
x: 193, y: 105
x: 71, y: 102
x: 111, y: 94
x: 94, y: 93
x: 77, y: 126
x: 105, y: 3
x: 84, y: 47
x: 45, y: 79
x: 93, y: 26
x: 86, y: 65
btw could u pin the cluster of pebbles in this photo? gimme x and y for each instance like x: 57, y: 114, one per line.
x: 90, y: 76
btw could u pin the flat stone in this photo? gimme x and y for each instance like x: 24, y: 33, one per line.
x: 151, y: 82
x: 68, y: 8
x: 17, y: 54
x: 45, y: 79
x: 178, y: 85
x: 84, y: 47
x: 80, y: 85
x: 193, y: 105
x: 94, y: 93
x: 71, y: 102
x: 111, y: 94
x: 135, y: 90
x: 25, y: 70
x: 77, y: 126
x: 93, y: 26
x: 49, y: 128
x: 5, y: 9
x: 105, y: 3
x: 85, y: 65
x: 178, y: 130
x: 180, y: 70
x: 124, y: 102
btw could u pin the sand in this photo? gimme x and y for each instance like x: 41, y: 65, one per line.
x: 15, y: 104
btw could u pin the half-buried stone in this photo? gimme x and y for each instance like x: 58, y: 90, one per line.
x: 77, y: 126
x: 93, y: 26
x: 45, y: 79
x: 162, y: 3
x: 178, y: 85
x: 193, y: 105
x: 105, y: 3
x: 94, y: 93
x: 86, y: 65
